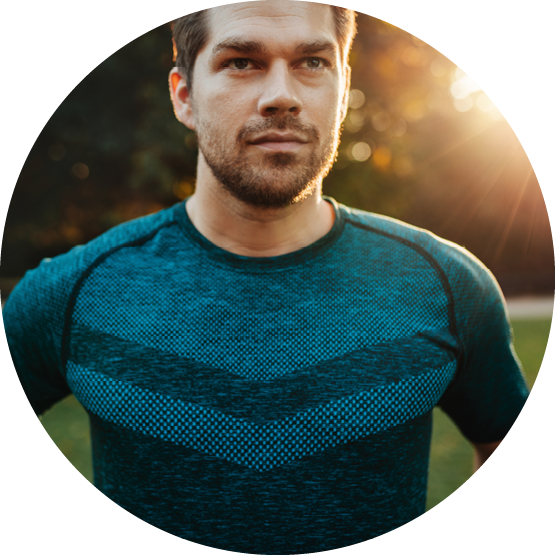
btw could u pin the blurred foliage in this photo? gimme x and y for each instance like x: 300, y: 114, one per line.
x: 421, y: 143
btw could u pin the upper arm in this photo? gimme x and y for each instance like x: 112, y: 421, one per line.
x: 489, y: 389
x: 33, y: 321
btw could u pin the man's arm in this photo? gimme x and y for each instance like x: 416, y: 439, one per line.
x: 33, y: 320
x: 482, y: 451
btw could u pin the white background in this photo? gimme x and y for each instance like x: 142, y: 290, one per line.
x: 48, y: 47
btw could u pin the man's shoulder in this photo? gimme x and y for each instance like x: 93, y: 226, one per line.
x: 125, y: 234
x: 453, y: 260
x: 402, y: 232
x: 40, y: 303
x: 128, y: 233
x: 62, y: 271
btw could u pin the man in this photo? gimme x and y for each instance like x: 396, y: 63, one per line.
x: 260, y: 364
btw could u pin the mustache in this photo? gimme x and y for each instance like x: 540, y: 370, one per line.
x: 278, y: 123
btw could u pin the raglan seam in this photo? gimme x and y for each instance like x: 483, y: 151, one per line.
x: 444, y: 282
x: 145, y: 238
x: 85, y: 273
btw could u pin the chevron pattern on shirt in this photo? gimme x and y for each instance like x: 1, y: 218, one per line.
x: 259, y: 446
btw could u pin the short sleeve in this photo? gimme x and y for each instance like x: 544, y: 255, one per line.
x: 36, y: 311
x: 33, y: 320
x: 489, y: 389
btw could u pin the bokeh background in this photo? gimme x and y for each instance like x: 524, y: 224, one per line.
x: 421, y: 143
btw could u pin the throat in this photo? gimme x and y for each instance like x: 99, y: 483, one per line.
x: 257, y: 233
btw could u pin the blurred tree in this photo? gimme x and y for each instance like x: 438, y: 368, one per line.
x: 111, y: 152
x: 421, y: 143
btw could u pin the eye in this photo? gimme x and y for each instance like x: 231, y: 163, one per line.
x: 239, y: 63
x: 313, y: 62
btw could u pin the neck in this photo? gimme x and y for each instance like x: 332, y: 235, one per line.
x: 257, y: 232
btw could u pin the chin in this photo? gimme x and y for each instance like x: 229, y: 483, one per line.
x: 271, y: 193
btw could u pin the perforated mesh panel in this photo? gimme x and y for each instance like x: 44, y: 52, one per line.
x: 258, y: 446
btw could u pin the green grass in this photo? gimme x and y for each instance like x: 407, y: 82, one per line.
x: 451, y: 455
x: 67, y: 424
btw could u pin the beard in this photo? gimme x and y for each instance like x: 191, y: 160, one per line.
x: 280, y: 178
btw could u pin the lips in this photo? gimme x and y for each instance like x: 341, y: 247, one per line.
x: 278, y: 138
x: 279, y: 141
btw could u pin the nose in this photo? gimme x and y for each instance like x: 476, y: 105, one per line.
x: 279, y: 96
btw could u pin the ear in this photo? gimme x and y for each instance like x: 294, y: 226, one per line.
x: 345, y: 101
x: 181, y: 99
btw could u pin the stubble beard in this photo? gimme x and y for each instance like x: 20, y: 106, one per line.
x: 277, y: 180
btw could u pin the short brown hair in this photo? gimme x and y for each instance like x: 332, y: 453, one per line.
x: 190, y: 34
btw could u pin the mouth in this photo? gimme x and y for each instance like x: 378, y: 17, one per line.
x: 279, y: 142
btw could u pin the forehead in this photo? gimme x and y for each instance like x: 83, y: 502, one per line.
x: 278, y: 21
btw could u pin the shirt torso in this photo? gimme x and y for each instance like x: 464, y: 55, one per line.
x: 276, y: 405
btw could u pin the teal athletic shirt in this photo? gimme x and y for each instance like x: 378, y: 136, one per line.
x: 267, y: 405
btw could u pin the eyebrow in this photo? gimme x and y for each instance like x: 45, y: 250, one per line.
x: 240, y: 45
x: 315, y: 46
x: 254, y: 47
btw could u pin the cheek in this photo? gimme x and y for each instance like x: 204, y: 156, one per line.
x: 323, y: 107
x: 326, y: 119
x: 227, y: 110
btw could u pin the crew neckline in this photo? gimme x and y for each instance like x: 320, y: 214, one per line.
x: 238, y: 261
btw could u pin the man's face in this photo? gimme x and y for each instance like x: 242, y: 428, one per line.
x: 268, y: 98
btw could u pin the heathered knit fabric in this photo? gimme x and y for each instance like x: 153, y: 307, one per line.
x: 267, y: 405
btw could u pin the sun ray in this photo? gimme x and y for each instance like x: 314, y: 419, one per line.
x: 450, y: 148
x: 484, y: 193
x: 509, y: 223
x: 531, y: 227
x: 466, y: 209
